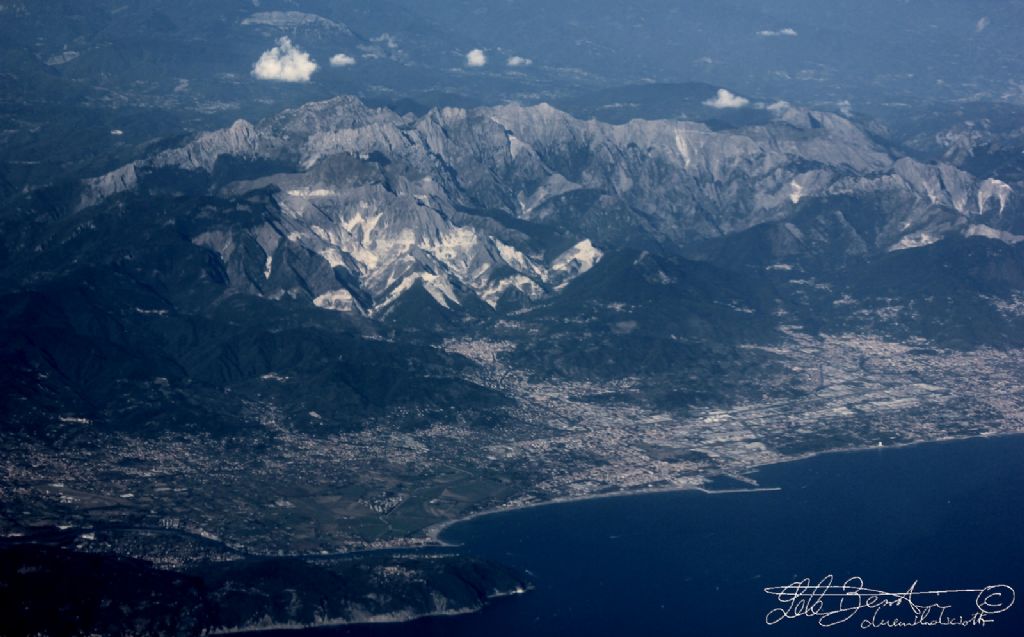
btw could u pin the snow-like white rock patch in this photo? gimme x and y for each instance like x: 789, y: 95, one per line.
x: 993, y: 189
x: 527, y: 286
x: 981, y: 230
x: 575, y: 261
x: 337, y: 300
x: 291, y: 20
x: 311, y: 193
x: 918, y: 240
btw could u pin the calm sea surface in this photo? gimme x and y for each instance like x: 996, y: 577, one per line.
x: 946, y: 515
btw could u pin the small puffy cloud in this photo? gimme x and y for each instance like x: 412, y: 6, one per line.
x: 726, y: 99
x: 981, y: 25
x: 284, y: 63
x: 517, y: 60
x: 476, y: 58
x: 387, y: 40
x: 342, y: 59
x: 787, y: 32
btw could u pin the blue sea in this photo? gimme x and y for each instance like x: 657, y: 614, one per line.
x: 948, y: 516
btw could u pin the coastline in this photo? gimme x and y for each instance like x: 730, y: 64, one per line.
x: 435, y: 531
x: 432, y: 534
x: 396, y: 617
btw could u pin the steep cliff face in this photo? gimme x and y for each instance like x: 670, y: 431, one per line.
x: 507, y: 204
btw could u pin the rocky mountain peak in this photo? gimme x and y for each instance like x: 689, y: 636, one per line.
x: 381, y: 204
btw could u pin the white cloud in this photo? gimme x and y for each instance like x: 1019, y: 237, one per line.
x: 342, y: 59
x: 517, y: 60
x: 387, y: 40
x: 284, y: 63
x: 726, y: 99
x: 981, y: 25
x: 787, y: 32
x: 476, y: 57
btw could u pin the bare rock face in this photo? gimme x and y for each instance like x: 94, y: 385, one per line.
x: 510, y: 203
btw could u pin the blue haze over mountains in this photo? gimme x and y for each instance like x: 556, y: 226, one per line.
x: 133, y: 55
x: 247, y: 322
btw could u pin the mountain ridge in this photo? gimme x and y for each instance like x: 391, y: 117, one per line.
x: 388, y: 201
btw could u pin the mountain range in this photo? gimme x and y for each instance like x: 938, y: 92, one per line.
x: 501, y: 206
x: 338, y: 242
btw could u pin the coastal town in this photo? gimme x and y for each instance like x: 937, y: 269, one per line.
x: 177, y: 497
